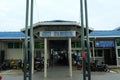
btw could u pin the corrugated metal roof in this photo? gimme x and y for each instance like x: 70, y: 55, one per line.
x: 54, y: 22
x: 105, y: 33
x: 94, y: 34
x: 12, y: 35
x: 118, y: 28
x: 58, y: 21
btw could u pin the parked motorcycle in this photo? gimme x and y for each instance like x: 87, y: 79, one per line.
x: 95, y: 66
x: 38, y: 64
x: 99, y: 67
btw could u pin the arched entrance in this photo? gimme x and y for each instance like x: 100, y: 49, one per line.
x: 58, y: 52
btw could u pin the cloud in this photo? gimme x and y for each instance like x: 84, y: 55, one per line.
x: 12, y: 14
x: 100, y: 12
x: 58, y: 9
x: 103, y: 14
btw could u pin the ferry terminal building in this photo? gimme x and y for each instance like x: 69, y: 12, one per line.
x: 58, y: 39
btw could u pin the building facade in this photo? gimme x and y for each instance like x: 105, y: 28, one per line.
x: 106, y: 46
x: 55, y: 41
x: 59, y: 41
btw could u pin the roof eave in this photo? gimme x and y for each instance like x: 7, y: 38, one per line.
x: 12, y: 38
x: 104, y: 36
x: 53, y: 23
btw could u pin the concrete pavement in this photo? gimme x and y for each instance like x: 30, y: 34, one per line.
x: 61, y: 73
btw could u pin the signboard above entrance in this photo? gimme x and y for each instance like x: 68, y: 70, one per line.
x: 109, y: 43
x: 57, y: 33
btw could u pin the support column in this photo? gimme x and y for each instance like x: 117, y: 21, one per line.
x: 33, y: 56
x: 116, y: 51
x: 70, y: 57
x: 93, y: 50
x: 45, y: 57
x: 28, y: 58
x: 22, y: 51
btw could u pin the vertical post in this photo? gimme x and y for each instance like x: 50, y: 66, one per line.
x: 93, y: 50
x: 26, y: 40
x: 23, y: 52
x: 33, y: 56
x: 28, y: 56
x: 116, y: 53
x: 70, y: 57
x: 82, y: 39
x: 31, y: 39
x: 88, y: 42
x: 45, y: 57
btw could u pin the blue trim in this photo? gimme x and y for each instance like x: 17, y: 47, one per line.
x: 105, y: 33
x: 5, y: 35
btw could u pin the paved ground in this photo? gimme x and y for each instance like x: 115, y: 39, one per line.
x: 60, y: 73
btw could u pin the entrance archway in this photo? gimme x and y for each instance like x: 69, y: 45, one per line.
x: 58, y: 52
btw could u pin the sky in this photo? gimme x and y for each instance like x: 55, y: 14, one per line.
x: 102, y: 14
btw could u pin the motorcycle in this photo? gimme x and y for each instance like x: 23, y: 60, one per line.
x: 38, y: 64
x: 95, y: 66
x: 99, y: 67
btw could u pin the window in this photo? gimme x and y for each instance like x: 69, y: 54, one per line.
x: 76, y: 44
x: 118, y: 52
x: 38, y: 54
x: 39, y: 45
x: 10, y: 45
x: 14, y: 45
x: 118, y: 42
x: 98, y: 53
x: 73, y: 44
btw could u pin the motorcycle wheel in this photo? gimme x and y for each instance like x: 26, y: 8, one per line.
x: 107, y: 70
x: 38, y: 67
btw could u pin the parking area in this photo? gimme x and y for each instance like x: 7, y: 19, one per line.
x: 60, y: 73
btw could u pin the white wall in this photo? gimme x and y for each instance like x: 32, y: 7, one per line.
x: 2, y: 46
x: 14, y: 54
x: 119, y: 62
